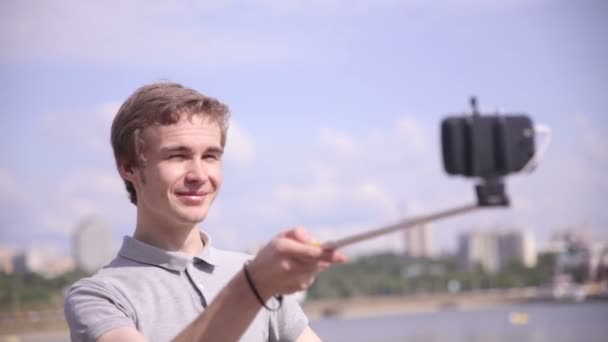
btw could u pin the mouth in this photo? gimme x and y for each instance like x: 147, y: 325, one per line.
x: 192, y: 198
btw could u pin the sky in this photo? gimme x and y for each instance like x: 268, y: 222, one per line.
x: 336, y: 108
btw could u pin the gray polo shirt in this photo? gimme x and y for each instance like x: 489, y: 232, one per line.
x: 160, y: 293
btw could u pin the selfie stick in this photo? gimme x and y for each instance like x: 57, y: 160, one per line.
x: 490, y: 193
x: 407, y: 223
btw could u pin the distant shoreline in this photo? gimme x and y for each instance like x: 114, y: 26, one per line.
x: 421, y: 303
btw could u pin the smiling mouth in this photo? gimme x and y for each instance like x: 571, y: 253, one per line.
x: 192, y: 194
x: 192, y: 198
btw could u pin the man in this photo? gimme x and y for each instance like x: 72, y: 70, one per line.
x: 168, y: 281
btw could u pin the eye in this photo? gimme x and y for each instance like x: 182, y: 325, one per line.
x: 177, y: 156
x: 211, y: 157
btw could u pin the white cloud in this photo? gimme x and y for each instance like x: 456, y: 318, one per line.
x: 107, y: 111
x: 411, y: 135
x: 375, y: 196
x: 340, y: 187
x: 310, y: 199
x: 83, y: 193
x: 240, y: 147
x: 88, y: 130
x: 82, y: 182
x: 134, y: 33
x: 86, y: 187
x: 340, y: 144
x: 407, y: 141
x: 96, y: 181
x: 156, y: 33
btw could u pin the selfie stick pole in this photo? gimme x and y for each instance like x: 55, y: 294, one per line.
x: 407, y: 223
x: 490, y: 193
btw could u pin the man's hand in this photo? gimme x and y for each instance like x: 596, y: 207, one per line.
x: 290, y: 262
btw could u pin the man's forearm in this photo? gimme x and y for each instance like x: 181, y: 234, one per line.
x: 227, y: 317
x: 288, y: 263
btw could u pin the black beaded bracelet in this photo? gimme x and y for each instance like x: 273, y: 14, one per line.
x: 279, y: 298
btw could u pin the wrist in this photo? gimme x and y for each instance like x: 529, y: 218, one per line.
x: 260, y: 280
x: 262, y: 299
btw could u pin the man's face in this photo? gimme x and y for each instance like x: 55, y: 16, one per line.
x: 182, y: 173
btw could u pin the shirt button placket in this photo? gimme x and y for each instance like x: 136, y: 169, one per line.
x: 195, y: 282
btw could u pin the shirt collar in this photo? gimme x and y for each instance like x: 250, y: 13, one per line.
x: 176, y: 261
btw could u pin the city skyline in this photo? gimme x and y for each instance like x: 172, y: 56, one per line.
x: 499, y: 246
x: 336, y: 108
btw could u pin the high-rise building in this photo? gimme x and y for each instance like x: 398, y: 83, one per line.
x: 29, y: 261
x: 517, y: 246
x: 93, y: 245
x: 479, y: 249
x: 530, y: 252
x: 6, y: 260
x: 494, y: 250
x: 419, y: 242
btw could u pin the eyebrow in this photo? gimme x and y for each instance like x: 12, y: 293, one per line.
x: 171, y: 149
x: 185, y: 149
x: 215, y: 149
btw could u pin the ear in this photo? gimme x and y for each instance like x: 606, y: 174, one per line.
x: 126, y: 171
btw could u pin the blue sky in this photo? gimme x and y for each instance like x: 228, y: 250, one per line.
x: 336, y: 108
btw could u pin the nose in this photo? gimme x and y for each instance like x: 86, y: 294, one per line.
x: 196, y: 172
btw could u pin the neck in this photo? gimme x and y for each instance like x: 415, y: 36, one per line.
x: 169, y: 237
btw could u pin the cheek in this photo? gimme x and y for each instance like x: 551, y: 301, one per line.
x: 215, y: 174
x: 164, y: 177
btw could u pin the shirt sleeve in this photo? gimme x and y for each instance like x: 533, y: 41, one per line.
x: 92, y: 309
x: 289, y: 322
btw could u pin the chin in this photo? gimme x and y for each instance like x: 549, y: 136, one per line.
x: 193, y: 218
x: 190, y: 214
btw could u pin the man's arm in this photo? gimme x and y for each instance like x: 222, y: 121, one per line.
x: 228, y: 315
x: 122, y: 334
x: 287, y: 264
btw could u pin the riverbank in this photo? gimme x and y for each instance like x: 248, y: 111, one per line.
x: 419, y: 303
x: 543, y: 322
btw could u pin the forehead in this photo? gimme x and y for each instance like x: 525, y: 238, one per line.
x: 191, y: 131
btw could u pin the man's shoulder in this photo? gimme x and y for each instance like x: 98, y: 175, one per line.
x: 110, y: 277
x: 87, y: 290
x: 97, y: 304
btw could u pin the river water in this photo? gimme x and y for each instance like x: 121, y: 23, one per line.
x: 552, y: 322
x: 580, y: 322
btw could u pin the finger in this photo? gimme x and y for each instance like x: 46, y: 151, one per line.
x: 332, y: 256
x: 300, y: 234
x: 309, y: 267
x: 305, y: 267
x: 323, y: 265
x: 301, y: 251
